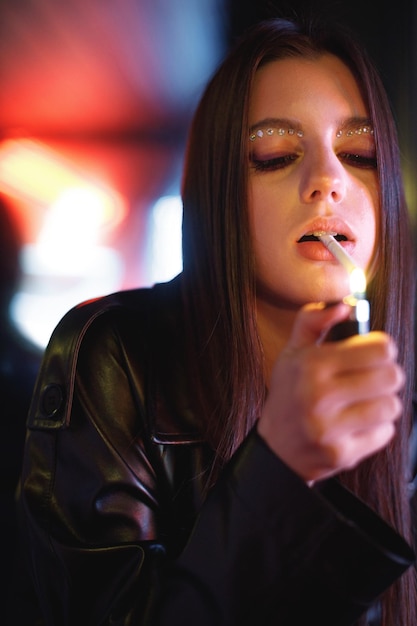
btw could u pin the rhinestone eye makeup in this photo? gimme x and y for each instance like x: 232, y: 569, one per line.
x: 275, y: 131
x: 259, y: 134
x: 361, y: 130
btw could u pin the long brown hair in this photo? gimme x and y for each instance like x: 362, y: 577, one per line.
x: 219, y: 278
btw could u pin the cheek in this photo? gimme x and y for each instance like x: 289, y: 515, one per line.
x: 369, y: 222
x: 256, y: 208
x: 271, y: 243
x: 268, y: 211
x: 264, y: 222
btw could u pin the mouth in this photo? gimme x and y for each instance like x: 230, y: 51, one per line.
x: 314, y: 236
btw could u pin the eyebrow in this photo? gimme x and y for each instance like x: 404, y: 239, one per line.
x: 350, y: 123
x: 276, y: 122
x: 353, y: 123
x: 355, y: 126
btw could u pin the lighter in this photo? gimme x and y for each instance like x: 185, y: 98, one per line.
x: 358, y: 321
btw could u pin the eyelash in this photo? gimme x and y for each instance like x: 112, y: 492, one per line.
x: 279, y: 163
x: 359, y: 160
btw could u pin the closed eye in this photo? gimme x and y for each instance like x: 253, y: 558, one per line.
x: 277, y: 163
x: 358, y: 160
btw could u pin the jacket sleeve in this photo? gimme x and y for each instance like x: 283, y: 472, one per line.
x: 100, y: 531
x: 277, y: 552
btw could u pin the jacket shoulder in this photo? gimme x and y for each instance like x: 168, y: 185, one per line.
x: 52, y: 397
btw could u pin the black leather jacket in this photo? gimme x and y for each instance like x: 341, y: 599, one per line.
x: 115, y: 526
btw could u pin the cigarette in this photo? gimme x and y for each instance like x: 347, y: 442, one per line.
x: 359, y: 318
x: 338, y: 251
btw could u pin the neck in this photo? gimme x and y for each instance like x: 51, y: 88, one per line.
x: 274, y: 327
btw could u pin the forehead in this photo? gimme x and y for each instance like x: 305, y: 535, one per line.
x: 316, y: 90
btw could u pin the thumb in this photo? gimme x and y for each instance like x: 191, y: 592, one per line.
x: 313, y: 322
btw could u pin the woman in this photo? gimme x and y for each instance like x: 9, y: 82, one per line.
x: 198, y: 453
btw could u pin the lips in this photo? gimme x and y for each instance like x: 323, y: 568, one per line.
x: 314, y: 236
x: 309, y: 245
x: 335, y: 227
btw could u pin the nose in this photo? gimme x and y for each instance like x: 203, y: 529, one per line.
x: 324, y: 178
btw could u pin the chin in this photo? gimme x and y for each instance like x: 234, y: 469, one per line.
x: 295, y: 294
x: 330, y: 290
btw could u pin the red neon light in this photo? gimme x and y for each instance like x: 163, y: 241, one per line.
x: 31, y: 172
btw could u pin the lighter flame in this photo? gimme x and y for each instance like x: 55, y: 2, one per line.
x: 357, y: 281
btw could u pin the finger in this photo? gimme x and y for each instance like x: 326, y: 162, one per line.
x: 313, y: 321
x: 358, y: 353
x: 347, y: 452
x: 343, y: 452
x: 346, y: 389
x: 358, y: 420
x: 377, y: 344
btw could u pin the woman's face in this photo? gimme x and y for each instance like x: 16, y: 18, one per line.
x: 312, y: 168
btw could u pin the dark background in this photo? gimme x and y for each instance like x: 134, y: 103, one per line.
x: 111, y: 85
x: 388, y: 30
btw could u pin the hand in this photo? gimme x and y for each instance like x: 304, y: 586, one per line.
x: 331, y: 405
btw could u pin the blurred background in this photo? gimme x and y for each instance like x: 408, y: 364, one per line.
x: 96, y: 98
x: 95, y: 102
